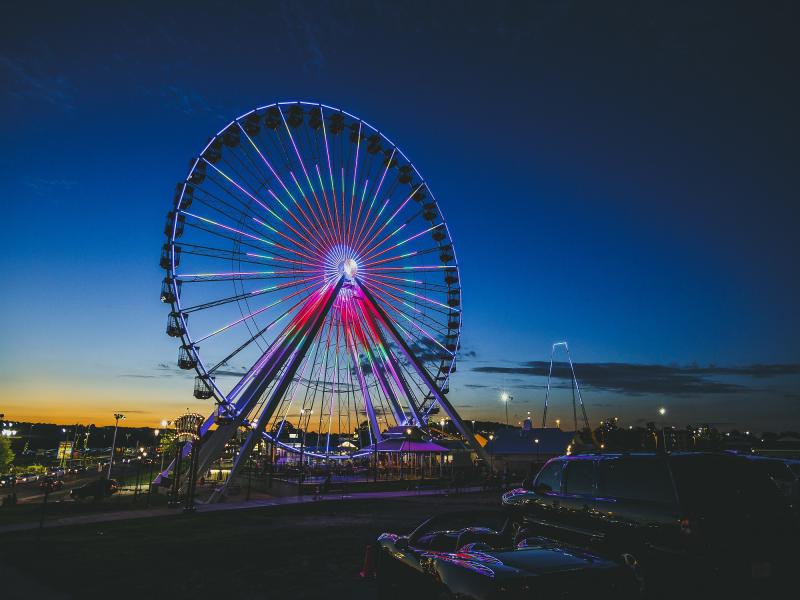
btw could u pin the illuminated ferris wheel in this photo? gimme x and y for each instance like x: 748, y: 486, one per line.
x: 312, y: 281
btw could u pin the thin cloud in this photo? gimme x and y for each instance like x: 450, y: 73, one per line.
x: 638, y: 379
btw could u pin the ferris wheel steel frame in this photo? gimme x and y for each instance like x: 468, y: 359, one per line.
x: 332, y: 261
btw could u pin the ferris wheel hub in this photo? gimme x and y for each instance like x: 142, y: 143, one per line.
x: 350, y: 268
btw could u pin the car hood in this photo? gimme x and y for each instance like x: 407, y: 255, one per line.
x: 535, y: 560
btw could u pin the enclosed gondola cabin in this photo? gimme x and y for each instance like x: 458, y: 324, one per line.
x: 202, y: 388
x: 170, y: 290
x: 175, y: 327
x: 186, y: 357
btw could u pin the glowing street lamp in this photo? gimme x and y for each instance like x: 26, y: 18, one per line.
x: 117, y: 417
x: 663, y: 411
x: 506, y: 398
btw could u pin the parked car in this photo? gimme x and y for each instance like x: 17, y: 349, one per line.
x: 712, y: 521
x: 8, y: 480
x: 55, y: 472
x: 51, y: 484
x: 783, y: 473
x: 98, y: 489
x: 27, y: 477
x: 478, y: 555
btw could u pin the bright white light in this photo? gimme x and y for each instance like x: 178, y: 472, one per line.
x: 662, y: 411
x: 163, y: 422
x: 350, y: 267
x: 504, y: 397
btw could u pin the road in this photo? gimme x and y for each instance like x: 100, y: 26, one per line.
x: 31, y: 492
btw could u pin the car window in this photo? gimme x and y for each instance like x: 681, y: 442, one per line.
x: 550, y: 476
x: 722, y: 483
x: 580, y: 477
x: 775, y: 469
x: 636, y: 478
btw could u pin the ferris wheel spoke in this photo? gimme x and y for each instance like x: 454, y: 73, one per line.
x: 390, y: 219
x: 399, y: 257
x: 246, y: 295
x: 356, y: 365
x: 249, y: 212
x: 227, y: 255
x: 254, y: 231
x: 410, y: 283
x: 418, y: 296
x: 239, y: 276
x: 373, y: 252
x: 275, y: 256
x: 354, y: 183
x: 257, y: 312
x: 305, y: 172
x: 374, y: 198
x: 330, y: 172
x: 419, y: 334
x: 420, y: 316
x: 252, y: 338
x: 313, y: 223
x: 283, y: 185
x: 371, y: 340
x: 244, y: 191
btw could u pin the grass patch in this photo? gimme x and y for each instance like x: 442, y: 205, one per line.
x: 305, y: 551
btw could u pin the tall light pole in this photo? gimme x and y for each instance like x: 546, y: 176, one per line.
x: 506, y: 399
x: 64, y: 450
x: 117, y: 417
x: 663, y: 411
x: 86, y: 443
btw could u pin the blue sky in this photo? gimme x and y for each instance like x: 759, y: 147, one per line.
x: 620, y: 176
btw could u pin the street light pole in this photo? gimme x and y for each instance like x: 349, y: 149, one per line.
x: 506, y: 399
x: 663, y: 411
x: 117, y: 417
x: 64, y: 450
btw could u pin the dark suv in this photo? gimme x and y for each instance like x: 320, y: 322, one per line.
x: 688, y: 522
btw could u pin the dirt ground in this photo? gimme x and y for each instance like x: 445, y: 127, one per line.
x: 301, y: 551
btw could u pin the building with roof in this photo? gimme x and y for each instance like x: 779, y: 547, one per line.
x: 523, y: 450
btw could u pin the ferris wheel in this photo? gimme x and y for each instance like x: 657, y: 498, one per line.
x: 312, y: 281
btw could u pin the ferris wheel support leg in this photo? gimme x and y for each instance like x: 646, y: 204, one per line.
x: 388, y: 365
x: 399, y: 414
x: 440, y: 397
x: 396, y: 373
x: 308, y: 336
x: 273, y: 359
x: 373, y: 421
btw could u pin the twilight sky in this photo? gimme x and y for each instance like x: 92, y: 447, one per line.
x: 621, y: 175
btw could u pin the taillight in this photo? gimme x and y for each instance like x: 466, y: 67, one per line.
x: 686, y: 526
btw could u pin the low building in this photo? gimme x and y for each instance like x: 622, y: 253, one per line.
x: 523, y: 451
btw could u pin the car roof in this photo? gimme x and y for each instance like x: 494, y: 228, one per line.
x: 643, y: 454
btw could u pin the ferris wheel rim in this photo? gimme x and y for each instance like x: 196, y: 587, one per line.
x: 191, y: 342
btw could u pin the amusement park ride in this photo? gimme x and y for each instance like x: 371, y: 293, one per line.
x: 319, y: 279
